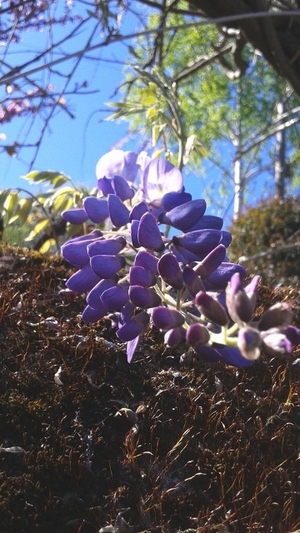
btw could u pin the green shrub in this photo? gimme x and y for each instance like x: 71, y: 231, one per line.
x: 266, y: 239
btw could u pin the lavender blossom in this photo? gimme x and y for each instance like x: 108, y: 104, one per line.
x: 183, y: 285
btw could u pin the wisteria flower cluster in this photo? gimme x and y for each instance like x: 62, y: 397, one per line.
x: 157, y: 259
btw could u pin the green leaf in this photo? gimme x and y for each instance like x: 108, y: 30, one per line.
x: 36, y: 176
x: 10, y: 203
x: 151, y: 113
x: 62, y: 203
x: 42, y: 226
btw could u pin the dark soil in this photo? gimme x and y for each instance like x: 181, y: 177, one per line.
x: 88, y: 441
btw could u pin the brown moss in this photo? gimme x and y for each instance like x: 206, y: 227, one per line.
x: 215, y: 446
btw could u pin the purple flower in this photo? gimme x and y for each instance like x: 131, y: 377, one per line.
x: 276, y: 342
x: 224, y: 354
x: 199, y: 242
x: 211, y: 262
x: 143, y: 296
x: 184, y: 216
x: 279, y: 315
x: 118, y: 163
x: 164, y: 318
x: 174, y: 336
x: 94, y: 296
x: 118, y: 212
x: 138, y: 211
x: 75, y: 215
x: 192, y: 281
x: 96, y: 209
x: 238, y: 303
x: 211, y: 308
x: 170, y: 271
x: 249, y: 342
x: 170, y: 200
x: 106, y: 266
x: 146, y: 260
x: 139, y: 275
x: 76, y: 250
x: 114, y: 298
x: 148, y: 234
x: 197, y: 334
x: 83, y: 280
x: 134, y: 327
x: 106, y: 246
x: 159, y: 178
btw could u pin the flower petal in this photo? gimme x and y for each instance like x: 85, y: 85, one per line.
x: 249, y: 342
x: 211, y: 262
x: 106, y: 246
x: 165, y: 319
x: 133, y: 327
x: 174, y: 336
x: 160, y: 177
x: 192, y: 281
x: 132, y: 347
x: 106, y: 266
x: 173, y: 199
x: 91, y: 314
x: 115, y: 297
x: 143, y: 296
x: 94, y: 296
x: 199, y: 242
x: 121, y: 188
x: 211, y: 308
x: 197, y: 334
x: 208, y: 222
x: 118, y: 163
x: 96, y: 209
x: 278, y: 315
x: 184, y: 216
x: 170, y: 271
x: 75, y: 216
x: 224, y: 354
x: 146, y: 260
x: 75, y: 252
x: 83, y: 280
x: 239, y: 306
x: 222, y: 275
x: 148, y: 233
x: 118, y: 212
x: 139, y: 275
x: 138, y: 211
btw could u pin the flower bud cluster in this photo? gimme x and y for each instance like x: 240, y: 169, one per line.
x: 135, y: 272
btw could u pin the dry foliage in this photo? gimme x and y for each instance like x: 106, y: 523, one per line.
x: 89, y: 442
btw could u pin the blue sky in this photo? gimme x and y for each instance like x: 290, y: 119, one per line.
x: 71, y: 146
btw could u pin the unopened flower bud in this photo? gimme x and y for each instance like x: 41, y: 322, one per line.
x: 197, y: 334
x: 174, y: 336
x: 211, y: 308
x: 275, y: 342
x: 279, y: 315
x: 239, y: 306
x: 192, y: 281
x: 249, y: 342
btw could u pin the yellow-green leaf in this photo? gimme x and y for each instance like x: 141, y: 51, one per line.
x: 155, y: 134
x: 42, y: 226
x: 62, y: 203
x: 149, y: 100
x: 151, y: 112
x: 47, y: 245
x: 10, y: 203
